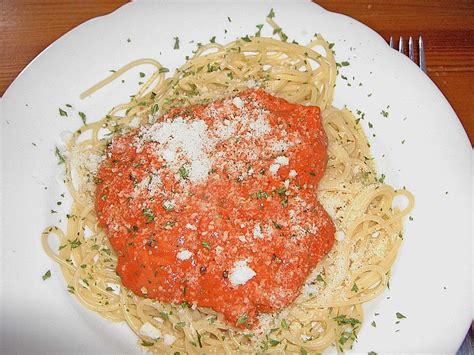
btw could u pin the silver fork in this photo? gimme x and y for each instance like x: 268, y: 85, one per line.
x: 411, y: 51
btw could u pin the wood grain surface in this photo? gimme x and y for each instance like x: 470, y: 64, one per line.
x: 447, y: 27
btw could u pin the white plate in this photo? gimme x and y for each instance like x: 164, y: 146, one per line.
x: 431, y: 281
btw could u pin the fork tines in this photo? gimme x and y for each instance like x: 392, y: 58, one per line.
x: 411, y: 50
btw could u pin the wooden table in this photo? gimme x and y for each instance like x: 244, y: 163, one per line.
x: 447, y: 27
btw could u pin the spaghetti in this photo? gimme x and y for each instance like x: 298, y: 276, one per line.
x: 328, y: 311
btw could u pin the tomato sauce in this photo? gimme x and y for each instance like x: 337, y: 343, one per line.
x: 215, y: 204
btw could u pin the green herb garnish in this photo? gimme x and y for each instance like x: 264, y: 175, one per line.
x: 343, y: 320
x: 83, y: 117
x: 261, y: 195
x: 164, y: 315
x: 149, y: 215
x: 154, y: 109
x: 399, y: 315
x: 46, y: 275
x: 242, y: 319
x: 183, y: 172
x: 274, y: 342
x: 61, y: 158
x: 278, y: 30
x: 180, y: 325
x: 62, y: 112
x: 277, y: 226
x: 281, y: 191
x: 76, y: 243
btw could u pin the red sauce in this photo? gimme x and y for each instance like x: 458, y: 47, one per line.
x: 178, y: 240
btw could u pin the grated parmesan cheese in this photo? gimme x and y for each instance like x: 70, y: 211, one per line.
x: 225, y: 130
x: 251, y: 83
x: 169, y: 339
x: 150, y: 331
x: 257, y: 231
x: 152, y: 183
x: 340, y: 235
x: 292, y: 173
x: 282, y: 160
x: 259, y: 127
x: 199, y: 169
x: 279, y: 147
x: 309, y: 290
x: 180, y: 142
x: 241, y: 273
x: 168, y: 155
x: 135, y: 122
x: 274, y: 168
x: 191, y: 227
x: 237, y: 101
x: 169, y: 204
x: 184, y: 254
